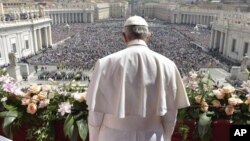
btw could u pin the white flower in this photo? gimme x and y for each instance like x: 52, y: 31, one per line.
x: 4, y: 99
x: 79, y: 96
x: 64, y: 107
x: 193, y: 74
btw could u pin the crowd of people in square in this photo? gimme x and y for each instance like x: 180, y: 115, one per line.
x: 91, y: 41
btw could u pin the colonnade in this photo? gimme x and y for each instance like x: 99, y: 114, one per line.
x: 219, y: 41
x: 42, y: 38
x: 193, y: 18
x: 70, y: 16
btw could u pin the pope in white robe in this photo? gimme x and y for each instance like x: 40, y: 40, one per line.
x: 134, y: 94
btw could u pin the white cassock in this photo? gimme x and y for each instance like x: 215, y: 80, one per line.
x: 134, y: 95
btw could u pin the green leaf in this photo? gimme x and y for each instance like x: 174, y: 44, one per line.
x: 3, y: 114
x: 7, y: 131
x: 68, y: 124
x: 9, y: 118
x: 82, y: 128
x: 9, y: 107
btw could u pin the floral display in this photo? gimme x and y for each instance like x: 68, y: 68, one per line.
x: 211, y: 101
x: 40, y: 106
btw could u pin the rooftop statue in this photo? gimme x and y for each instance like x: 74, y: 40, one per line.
x: 244, y: 63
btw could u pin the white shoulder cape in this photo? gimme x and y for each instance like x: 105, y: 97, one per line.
x: 135, y: 82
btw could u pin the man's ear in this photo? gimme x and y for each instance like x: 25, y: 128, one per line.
x: 148, y: 37
x: 124, y: 37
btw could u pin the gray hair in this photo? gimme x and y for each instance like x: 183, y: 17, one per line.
x: 136, y: 31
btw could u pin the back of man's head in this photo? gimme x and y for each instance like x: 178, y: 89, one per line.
x: 136, y: 27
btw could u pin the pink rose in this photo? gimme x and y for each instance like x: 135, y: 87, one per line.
x: 34, y: 99
x: 216, y: 103
x: 229, y: 109
x: 204, y: 106
x: 80, y: 97
x: 198, y: 99
x: 47, y: 88
x: 42, y: 95
x: 32, y: 108
x: 232, y: 101
x: 218, y: 94
x: 248, y: 100
x: 34, y: 89
x: 228, y: 89
x: 25, y: 101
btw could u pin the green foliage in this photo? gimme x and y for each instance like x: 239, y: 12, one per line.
x: 37, y: 107
x: 210, y: 101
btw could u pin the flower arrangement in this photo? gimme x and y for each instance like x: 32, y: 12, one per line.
x: 211, y: 101
x: 40, y: 105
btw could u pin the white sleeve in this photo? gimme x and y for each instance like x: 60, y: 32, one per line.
x: 168, y: 122
x: 94, y: 123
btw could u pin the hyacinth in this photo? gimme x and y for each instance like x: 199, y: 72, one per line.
x: 64, y: 107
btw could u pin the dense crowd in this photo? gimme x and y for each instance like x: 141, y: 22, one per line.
x: 93, y: 41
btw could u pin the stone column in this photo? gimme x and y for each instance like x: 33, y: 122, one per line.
x: 221, y: 42
x: 80, y: 17
x: 39, y: 39
x: 60, y: 18
x: 85, y: 18
x: 49, y: 36
x: 215, y: 39
x: 19, y: 45
x: 73, y: 15
x: 226, y: 48
x: 46, y: 37
x: 62, y: 14
x: 54, y: 18
x: 212, y: 39
x: 6, y: 51
x: 241, y: 48
x: 34, y: 41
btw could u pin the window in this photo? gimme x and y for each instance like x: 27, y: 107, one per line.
x: 233, y: 45
x: 14, y: 47
x: 27, y: 44
x: 245, y: 51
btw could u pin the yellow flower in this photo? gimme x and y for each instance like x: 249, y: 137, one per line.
x: 32, y: 108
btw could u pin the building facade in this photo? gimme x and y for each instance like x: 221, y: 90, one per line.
x: 24, y: 37
x: 230, y: 30
x: 231, y: 36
